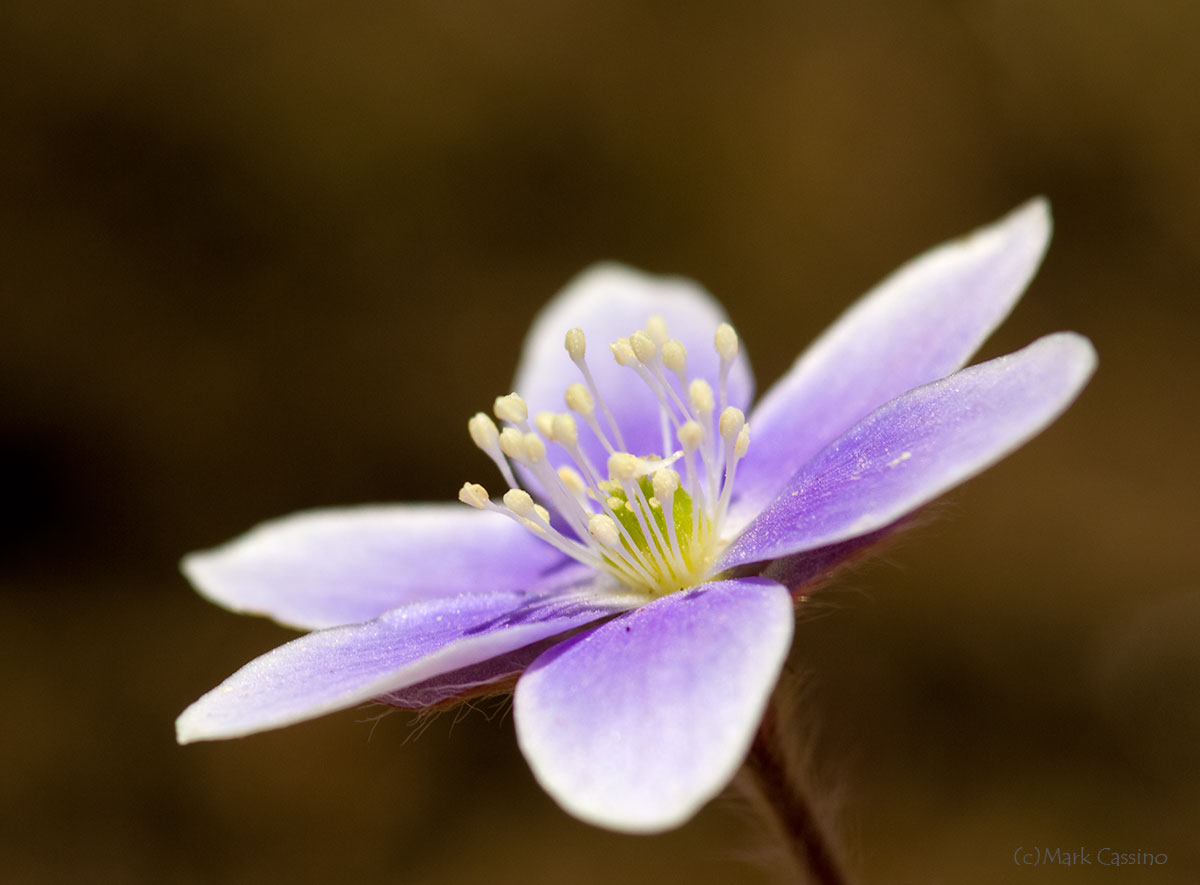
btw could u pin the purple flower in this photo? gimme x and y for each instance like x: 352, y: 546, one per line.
x: 636, y: 579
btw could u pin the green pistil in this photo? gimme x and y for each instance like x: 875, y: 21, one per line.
x: 681, y: 514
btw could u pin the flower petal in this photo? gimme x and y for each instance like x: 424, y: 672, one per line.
x: 610, y: 301
x: 487, y: 677
x: 344, y: 566
x: 638, y: 723
x: 344, y: 666
x: 917, y: 447
x: 920, y: 324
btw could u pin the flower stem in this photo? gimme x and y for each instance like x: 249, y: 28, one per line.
x: 782, y: 796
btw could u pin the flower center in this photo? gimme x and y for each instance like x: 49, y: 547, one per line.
x: 654, y: 529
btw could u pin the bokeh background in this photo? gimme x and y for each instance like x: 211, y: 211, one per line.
x: 258, y: 257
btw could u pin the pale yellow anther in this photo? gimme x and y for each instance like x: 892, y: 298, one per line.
x: 622, y: 352
x: 511, y: 443
x: 663, y: 556
x: 603, y: 529
x: 544, y: 422
x: 519, y: 502
x: 483, y: 431
x: 743, y: 441
x: 566, y: 432
x: 656, y: 328
x: 674, y: 354
x: 691, y: 435
x: 579, y: 400
x: 572, y: 480
x: 732, y: 421
x: 726, y: 342
x: 665, y: 483
x: 643, y: 347
x: 701, y: 395
x: 534, y: 448
x: 474, y: 494
x: 511, y: 408
x: 622, y: 465
x: 576, y: 344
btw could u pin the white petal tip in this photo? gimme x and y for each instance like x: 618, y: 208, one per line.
x: 1026, y: 229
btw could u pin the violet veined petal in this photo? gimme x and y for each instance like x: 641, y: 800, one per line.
x: 636, y: 724
x: 610, y: 301
x: 338, y: 668
x: 501, y: 671
x: 918, y: 446
x: 921, y: 323
x: 810, y: 568
x: 322, y: 568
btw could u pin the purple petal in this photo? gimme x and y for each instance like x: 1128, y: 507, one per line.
x: 609, y: 301
x: 344, y: 666
x: 918, y: 446
x: 920, y: 324
x: 328, y: 567
x: 638, y: 723
x: 469, y: 681
x: 806, y: 571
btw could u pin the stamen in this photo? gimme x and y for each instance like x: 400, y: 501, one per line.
x: 643, y: 347
x: 544, y: 422
x: 638, y: 522
x: 735, y: 433
x: 726, y: 342
x: 665, y: 483
x: 574, y: 484
x: 511, y: 444
x: 691, y: 435
x: 674, y: 356
x: 511, y: 408
x: 604, y: 530
x: 580, y: 402
x: 519, y: 502
x: 474, y: 494
x: 485, y: 435
x: 623, y: 466
x: 650, y: 531
x: 656, y: 328
x: 653, y: 362
x: 623, y: 353
x: 731, y: 422
x: 535, y: 449
x: 639, y: 353
x: 564, y: 430
x: 576, y: 345
x: 701, y: 396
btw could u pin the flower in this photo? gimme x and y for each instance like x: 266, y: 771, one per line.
x: 636, y: 580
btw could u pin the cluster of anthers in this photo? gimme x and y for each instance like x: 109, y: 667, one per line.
x: 652, y: 529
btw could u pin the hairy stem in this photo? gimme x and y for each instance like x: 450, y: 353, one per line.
x: 782, y: 796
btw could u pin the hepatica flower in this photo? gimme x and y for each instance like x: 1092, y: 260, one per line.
x: 636, y: 581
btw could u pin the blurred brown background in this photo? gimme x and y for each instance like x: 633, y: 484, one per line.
x: 262, y: 256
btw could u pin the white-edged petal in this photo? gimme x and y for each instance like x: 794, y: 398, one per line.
x: 636, y: 724
x: 921, y: 323
x: 346, y: 565
x: 338, y: 668
x: 918, y: 446
x: 610, y: 301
